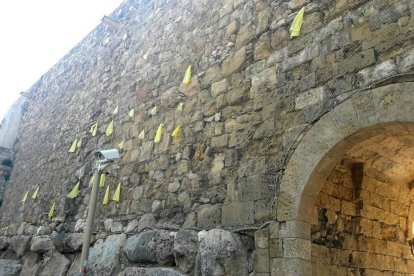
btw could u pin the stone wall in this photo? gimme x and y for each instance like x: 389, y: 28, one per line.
x: 253, y: 92
x: 361, y: 226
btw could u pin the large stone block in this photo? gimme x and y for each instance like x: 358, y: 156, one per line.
x: 19, y: 244
x: 104, y: 255
x: 234, y: 63
x: 57, y: 265
x: 185, y: 249
x: 42, y: 244
x: 10, y: 267
x: 221, y: 253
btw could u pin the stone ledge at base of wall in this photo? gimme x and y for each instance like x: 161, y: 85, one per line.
x: 152, y: 252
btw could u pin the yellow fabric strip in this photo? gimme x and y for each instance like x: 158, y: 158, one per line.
x: 110, y: 129
x: 141, y: 135
x: 91, y: 181
x: 79, y: 144
x: 34, y: 195
x: 25, y: 198
x: 73, y: 147
x: 131, y: 113
x: 52, y: 211
x: 176, y: 131
x: 158, y: 135
x: 115, y: 110
x: 297, y: 23
x: 187, y: 76
x: 94, y: 129
x: 117, y: 194
x: 102, y: 180
x: 106, y: 197
x: 180, y: 107
x: 75, y: 191
x: 154, y: 111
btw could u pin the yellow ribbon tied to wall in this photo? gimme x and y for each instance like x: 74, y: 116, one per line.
x: 187, y: 75
x: 121, y: 145
x: 52, y: 211
x: 154, y: 111
x: 297, y: 23
x: 34, y: 195
x: 102, y: 180
x: 79, y: 143
x: 141, y: 135
x: 180, y: 107
x: 117, y: 194
x: 158, y: 135
x: 91, y: 181
x: 131, y: 113
x: 176, y: 131
x: 25, y: 198
x: 106, y: 197
x: 73, y: 147
x: 75, y: 191
x: 94, y: 129
x: 115, y: 110
x: 110, y: 129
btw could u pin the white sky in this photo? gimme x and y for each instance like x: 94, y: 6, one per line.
x: 36, y: 34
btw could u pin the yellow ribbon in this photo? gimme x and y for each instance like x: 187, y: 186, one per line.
x: 75, y: 191
x: 187, y: 76
x: 115, y: 110
x: 110, y: 129
x: 106, y: 197
x: 73, y: 147
x: 297, y: 23
x: 52, y: 211
x: 102, y: 180
x: 158, y: 135
x: 34, y: 195
x: 176, y: 131
x: 117, y: 194
x: 25, y: 198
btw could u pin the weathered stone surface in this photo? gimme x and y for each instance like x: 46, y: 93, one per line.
x: 153, y: 271
x: 150, y: 247
x: 19, y: 244
x: 10, y: 267
x: 67, y: 243
x: 234, y: 63
x: 42, y: 244
x: 57, y: 265
x: 132, y: 225
x: 311, y: 97
x: 147, y: 220
x: 209, y: 216
x: 141, y: 248
x: 104, y: 255
x: 221, y: 253
x: 185, y: 250
x: 31, y: 264
x: 4, y: 242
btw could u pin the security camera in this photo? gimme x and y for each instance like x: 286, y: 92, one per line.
x: 106, y: 156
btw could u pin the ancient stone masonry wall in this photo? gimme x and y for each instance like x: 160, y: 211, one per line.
x: 253, y: 91
x: 361, y: 229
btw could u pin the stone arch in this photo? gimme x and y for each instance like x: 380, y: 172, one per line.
x: 380, y: 110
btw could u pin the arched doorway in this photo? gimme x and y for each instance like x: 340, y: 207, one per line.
x: 334, y: 202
